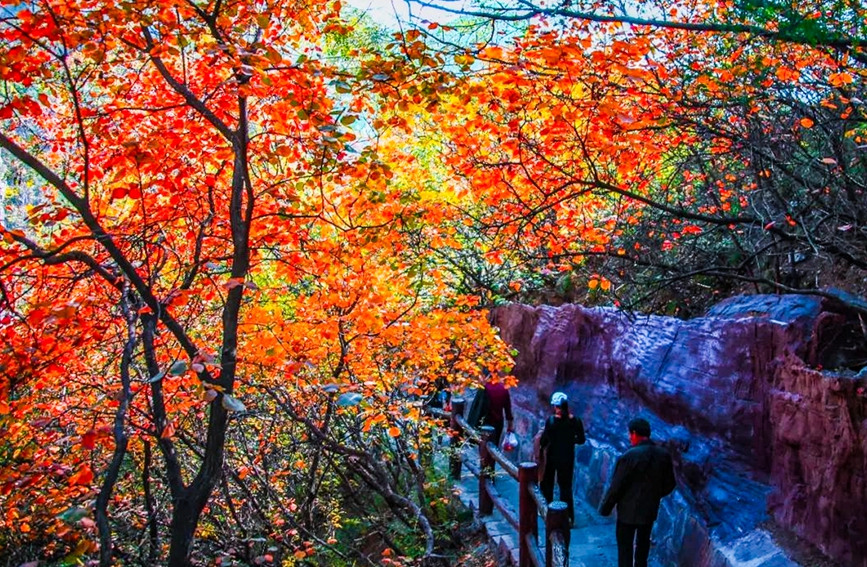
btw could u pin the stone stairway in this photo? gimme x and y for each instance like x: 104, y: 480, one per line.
x: 592, y: 539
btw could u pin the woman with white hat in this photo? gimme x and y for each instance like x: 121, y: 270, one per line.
x: 557, y: 449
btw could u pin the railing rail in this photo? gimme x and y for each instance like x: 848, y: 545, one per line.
x: 503, y: 461
x: 539, y: 500
x: 504, y: 507
x: 531, y: 502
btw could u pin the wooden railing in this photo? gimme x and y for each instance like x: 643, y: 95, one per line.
x: 531, y: 503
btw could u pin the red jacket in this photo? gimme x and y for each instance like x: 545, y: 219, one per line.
x: 499, y: 402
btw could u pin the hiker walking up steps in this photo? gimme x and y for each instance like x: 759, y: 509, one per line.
x: 492, y: 405
x: 643, y: 475
x: 557, y: 450
x: 499, y: 410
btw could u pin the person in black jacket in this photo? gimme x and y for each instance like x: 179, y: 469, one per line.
x: 557, y: 450
x: 643, y: 475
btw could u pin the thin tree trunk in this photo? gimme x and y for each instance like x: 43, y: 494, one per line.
x: 121, y: 439
x: 150, y: 507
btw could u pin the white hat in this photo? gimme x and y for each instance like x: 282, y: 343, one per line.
x: 558, y: 398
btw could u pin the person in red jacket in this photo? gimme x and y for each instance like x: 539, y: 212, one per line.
x: 499, y: 408
x: 643, y: 475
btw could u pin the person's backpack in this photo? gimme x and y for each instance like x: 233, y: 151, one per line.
x: 479, y: 408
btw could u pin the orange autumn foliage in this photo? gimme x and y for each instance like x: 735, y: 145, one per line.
x: 574, y: 143
x: 208, y: 249
x: 248, y: 262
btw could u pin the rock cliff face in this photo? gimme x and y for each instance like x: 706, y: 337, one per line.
x: 756, y: 433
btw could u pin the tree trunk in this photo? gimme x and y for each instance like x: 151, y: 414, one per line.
x: 102, y: 500
x: 121, y: 440
x: 150, y: 506
x: 185, y: 518
x: 190, y: 501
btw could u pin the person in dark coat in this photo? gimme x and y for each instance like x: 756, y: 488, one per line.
x: 643, y: 475
x: 499, y: 408
x: 557, y: 450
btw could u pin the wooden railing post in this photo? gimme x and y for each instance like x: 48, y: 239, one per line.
x: 486, y: 469
x: 528, y: 516
x: 557, y: 519
x: 455, y: 443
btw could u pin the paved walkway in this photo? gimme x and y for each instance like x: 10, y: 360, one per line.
x: 592, y: 539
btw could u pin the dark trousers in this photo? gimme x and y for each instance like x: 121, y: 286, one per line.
x: 563, y: 471
x: 498, y: 432
x: 627, y: 535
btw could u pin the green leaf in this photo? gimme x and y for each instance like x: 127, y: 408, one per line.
x: 349, y: 399
x: 232, y: 404
x: 157, y: 377
x: 73, y: 515
x: 178, y: 368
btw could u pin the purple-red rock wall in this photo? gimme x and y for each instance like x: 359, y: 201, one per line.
x: 820, y: 459
x: 728, y: 393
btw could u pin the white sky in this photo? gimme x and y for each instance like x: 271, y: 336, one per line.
x: 389, y: 12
